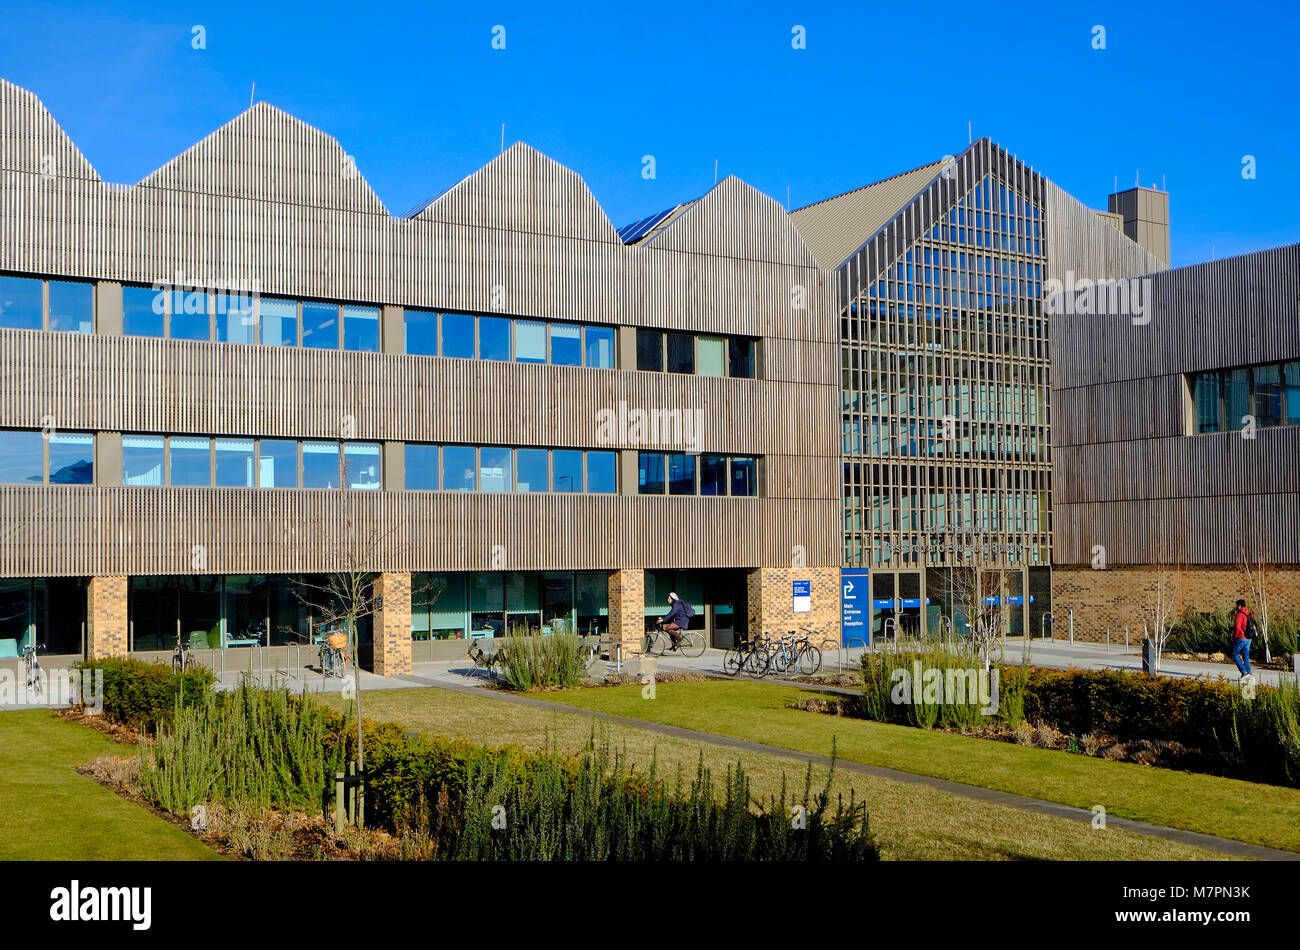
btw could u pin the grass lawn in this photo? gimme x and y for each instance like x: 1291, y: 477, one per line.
x: 53, y: 814
x: 910, y: 822
x: 1260, y: 814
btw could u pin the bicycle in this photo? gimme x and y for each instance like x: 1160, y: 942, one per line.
x: 751, y: 657
x: 657, y: 642
x: 792, y: 651
x: 183, y: 659
x: 333, y: 660
x: 32, y: 666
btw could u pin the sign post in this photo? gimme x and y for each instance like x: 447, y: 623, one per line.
x: 855, y: 601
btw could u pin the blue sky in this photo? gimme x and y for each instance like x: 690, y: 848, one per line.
x: 417, y: 95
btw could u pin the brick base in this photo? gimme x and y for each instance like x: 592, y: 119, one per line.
x: 1118, y: 596
x: 106, y: 623
x: 392, y: 625
x: 771, y: 602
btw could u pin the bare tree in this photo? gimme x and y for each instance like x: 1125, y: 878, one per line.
x: 975, y: 589
x: 1258, y: 569
x: 1165, y: 592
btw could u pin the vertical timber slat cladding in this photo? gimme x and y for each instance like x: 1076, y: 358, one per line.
x: 272, y: 202
x: 1129, y: 473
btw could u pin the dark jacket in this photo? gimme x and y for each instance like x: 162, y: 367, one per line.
x: 677, y: 615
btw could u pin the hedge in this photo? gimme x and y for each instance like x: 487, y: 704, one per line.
x: 141, y: 695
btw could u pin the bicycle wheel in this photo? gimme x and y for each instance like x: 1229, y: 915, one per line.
x: 779, y: 660
x: 757, y: 661
x: 731, y: 661
x: 810, y: 660
x: 176, y: 664
x: 995, y: 651
x: 656, y: 643
x: 692, y: 644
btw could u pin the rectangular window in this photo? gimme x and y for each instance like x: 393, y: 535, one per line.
x: 602, y: 472
x: 650, y: 350
x: 1291, y: 391
x: 600, y: 347
x: 279, y: 321
x: 234, y: 463
x: 650, y: 473
x: 361, y: 329
x: 22, y: 456
x: 494, y: 470
x: 744, y: 476
x: 740, y: 357
x: 362, y: 465
x: 21, y: 303
x: 566, y: 344
x: 681, y: 353
x: 72, y: 306
x: 320, y: 326
x: 566, y: 465
x: 277, y: 463
x: 458, y: 335
x: 72, y: 458
x: 1267, y: 395
x: 421, y: 329
x: 713, y: 475
x: 1236, y: 397
x: 494, y: 338
x: 143, y: 311
x: 711, y: 356
x: 530, y: 466
x: 530, y: 341
x: 191, y: 461
x: 142, y: 460
x: 681, y: 474
x: 458, y: 468
x: 188, y: 317
x: 421, y: 466
x: 320, y: 465
x: 236, y: 317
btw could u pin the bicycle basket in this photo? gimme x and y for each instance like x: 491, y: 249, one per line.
x: 337, y: 640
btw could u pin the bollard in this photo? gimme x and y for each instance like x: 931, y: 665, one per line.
x: 1072, y: 625
x: 1148, y: 655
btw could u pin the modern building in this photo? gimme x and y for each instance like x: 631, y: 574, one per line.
x: 946, y: 374
x: 242, y: 375
x: 1177, y: 433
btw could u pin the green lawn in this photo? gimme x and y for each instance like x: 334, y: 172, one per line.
x: 1260, y: 814
x: 910, y: 822
x: 51, y: 813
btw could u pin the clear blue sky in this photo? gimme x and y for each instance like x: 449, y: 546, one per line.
x: 416, y: 93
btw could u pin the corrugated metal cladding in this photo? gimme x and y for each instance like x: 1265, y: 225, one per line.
x: 1129, y: 476
x: 269, y: 198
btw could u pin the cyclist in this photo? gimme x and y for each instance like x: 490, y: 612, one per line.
x: 677, y: 618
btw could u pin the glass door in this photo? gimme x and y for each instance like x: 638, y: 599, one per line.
x: 909, y: 604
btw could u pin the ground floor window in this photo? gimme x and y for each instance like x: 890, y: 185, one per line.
x: 47, y: 611
x: 234, y: 611
x: 460, y: 605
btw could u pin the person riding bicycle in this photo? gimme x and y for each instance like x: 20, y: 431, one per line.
x: 677, y: 618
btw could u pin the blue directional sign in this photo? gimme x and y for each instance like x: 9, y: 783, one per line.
x: 855, y: 595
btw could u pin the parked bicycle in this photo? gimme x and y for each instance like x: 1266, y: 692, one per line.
x: 749, y: 656
x: 32, y: 667
x: 183, y: 659
x: 333, y: 658
x: 657, y: 642
x: 792, y: 652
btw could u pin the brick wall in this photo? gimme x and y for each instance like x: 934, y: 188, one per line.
x: 392, y: 625
x: 771, y: 603
x: 1125, y: 595
x: 106, y: 628
x: 627, y: 608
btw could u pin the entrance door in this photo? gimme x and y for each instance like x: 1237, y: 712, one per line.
x: 909, y: 604
x: 882, y: 606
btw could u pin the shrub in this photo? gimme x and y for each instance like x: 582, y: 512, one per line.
x: 883, y: 672
x: 533, y: 662
x: 1199, y: 631
x: 143, y: 695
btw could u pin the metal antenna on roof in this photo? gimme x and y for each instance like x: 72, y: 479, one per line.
x: 970, y: 134
x: 252, y: 92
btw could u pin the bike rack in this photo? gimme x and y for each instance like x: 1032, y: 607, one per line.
x: 1047, y: 618
x: 890, y: 623
x: 848, y: 645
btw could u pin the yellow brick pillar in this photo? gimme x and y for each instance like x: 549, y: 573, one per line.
x: 392, y: 625
x: 627, y: 609
x: 771, y: 601
x: 106, y: 626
